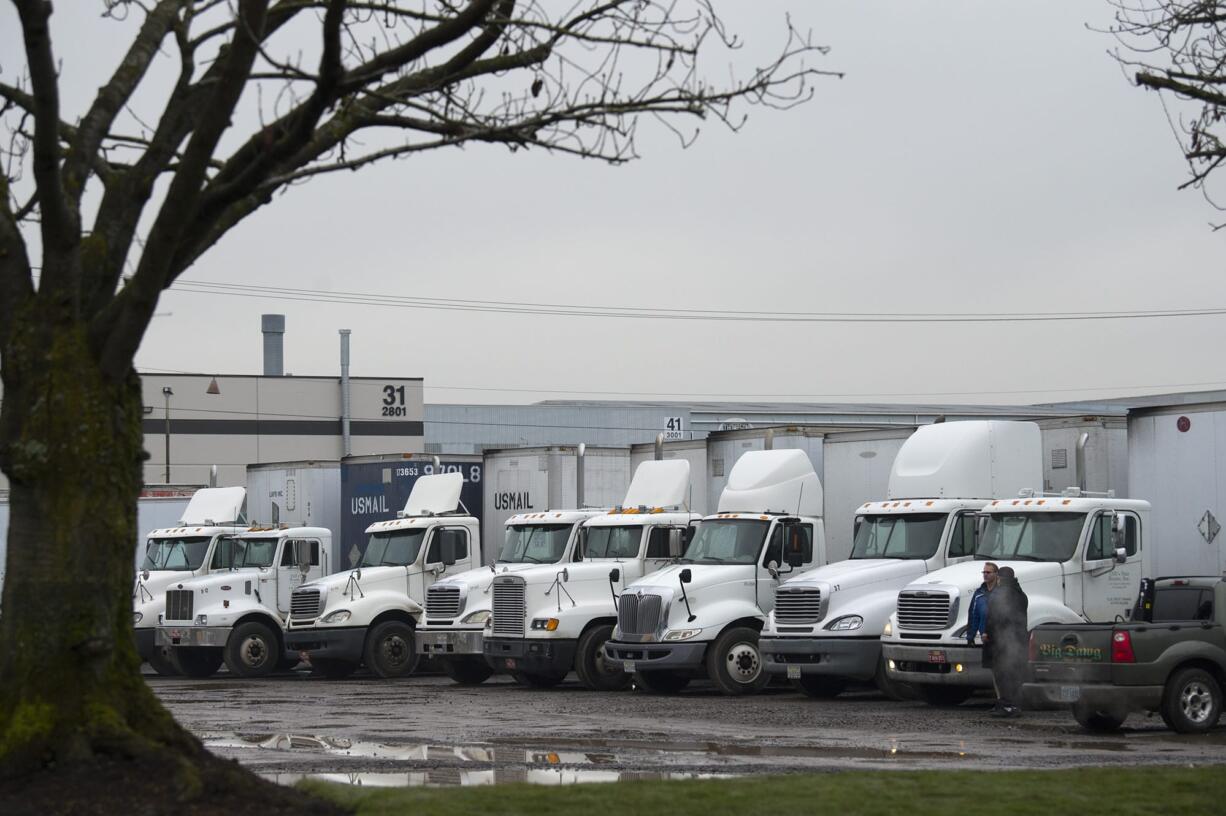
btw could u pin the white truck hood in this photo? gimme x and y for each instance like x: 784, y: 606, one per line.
x: 371, y: 576
x: 481, y: 576
x: 702, y: 576
x: 969, y: 574
x: 593, y: 570
x: 862, y: 572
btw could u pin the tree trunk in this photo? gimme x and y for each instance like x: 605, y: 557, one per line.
x: 71, y: 445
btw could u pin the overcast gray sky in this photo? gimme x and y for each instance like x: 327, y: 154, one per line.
x: 977, y: 157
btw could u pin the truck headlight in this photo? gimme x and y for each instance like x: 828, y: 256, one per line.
x: 480, y: 616
x: 682, y: 634
x: 887, y: 630
x: 137, y: 617
x: 846, y: 623
x: 545, y: 624
x: 339, y: 616
x: 202, y: 619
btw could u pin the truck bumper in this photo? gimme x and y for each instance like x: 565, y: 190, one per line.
x: 341, y: 643
x: 855, y: 658
x: 192, y: 635
x: 936, y: 664
x: 531, y: 655
x: 634, y: 657
x: 144, y: 641
x: 1105, y: 696
x: 441, y: 643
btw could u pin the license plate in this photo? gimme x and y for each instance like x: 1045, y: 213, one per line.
x: 1070, y: 694
x: 628, y: 666
x: 937, y: 656
x: 177, y: 633
x: 510, y: 662
x: 793, y: 672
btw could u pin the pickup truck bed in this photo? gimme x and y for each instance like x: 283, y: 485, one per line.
x: 1171, y: 659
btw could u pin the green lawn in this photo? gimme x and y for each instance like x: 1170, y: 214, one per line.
x: 1084, y: 792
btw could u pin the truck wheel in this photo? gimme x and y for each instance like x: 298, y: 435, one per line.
x: 945, y: 695
x: 467, y: 671
x: 1098, y: 719
x: 1192, y: 701
x: 594, y: 671
x: 734, y: 662
x: 892, y: 689
x: 163, y: 662
x: 332, y: 668
x: 390, y: 650
x: 252, y: 650
x: 536, y: 680
x: 197, y: 661
x: 661, y: 682
x: 819, y: 687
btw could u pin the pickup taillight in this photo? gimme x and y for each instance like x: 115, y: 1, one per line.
x: 1121, y: 648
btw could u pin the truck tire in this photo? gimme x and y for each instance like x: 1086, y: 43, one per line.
x: 536, y: 680
x: 661, y: 682
x: 892, y: 689
x: 1098, y: 719
x: 332, y: 668
x: 734, y: 662
x: 390, y: 650
x: 594, y: 671
x: 822, y: 688
x: 197, y: 661
x: 467, y: 671
x: 252, y: 650
x: 163, y: 661
x: 945, y: 696
x: 1191, y: 701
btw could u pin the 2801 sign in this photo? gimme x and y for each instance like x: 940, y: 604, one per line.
x: 393, y: 401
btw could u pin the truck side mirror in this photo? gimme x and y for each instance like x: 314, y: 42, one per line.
x: 615, y: 575
x: 686, y: 576
x: 446, y: 549
x: 302, y: 555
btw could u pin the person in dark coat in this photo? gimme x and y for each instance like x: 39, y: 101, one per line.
x: 1006, y: 634
x: 977, y: 613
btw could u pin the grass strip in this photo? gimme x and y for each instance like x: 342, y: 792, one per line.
x: 1117, y: 791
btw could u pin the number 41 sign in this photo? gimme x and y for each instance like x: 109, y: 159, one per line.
x: 674, y: 428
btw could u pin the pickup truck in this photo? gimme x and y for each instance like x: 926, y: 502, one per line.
x: 1170, y: 658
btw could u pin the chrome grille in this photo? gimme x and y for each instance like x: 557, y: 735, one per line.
x: 798, y: 605
x: 179, y: 604
x: 638, y: 614
x: 919, y: 609
x: 304, y: 604
x: 442, y: 602
x: 509, y: 607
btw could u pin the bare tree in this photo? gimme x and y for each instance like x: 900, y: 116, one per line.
x: 1180, y: 46
x: 111, y: 204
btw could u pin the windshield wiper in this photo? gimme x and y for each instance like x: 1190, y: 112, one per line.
x: 530, y: 559
x: 1016, y: 557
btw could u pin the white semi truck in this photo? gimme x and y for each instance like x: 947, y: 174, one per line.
x: 702, y: 616
x: 549, y: 620
x: 1077, y: 557
x: 369, y: 615
x: 825, y: 630
x: 174, y: 554
x: 237, y: 613
x: 457, y: 608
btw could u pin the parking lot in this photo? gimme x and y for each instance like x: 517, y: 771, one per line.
x: 425, y: 730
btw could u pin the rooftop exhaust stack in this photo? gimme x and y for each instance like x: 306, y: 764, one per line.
x: 579, y: 456
x: 273, y: 326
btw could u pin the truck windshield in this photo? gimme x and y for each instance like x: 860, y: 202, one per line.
x: 1031, y: 536
x: 612, y: 542
x: 176, y: 554
x: 909, y: 536
x: 393, y: 548
x: 255, y: 552
x: 727, y: 541
x: 534, y: 544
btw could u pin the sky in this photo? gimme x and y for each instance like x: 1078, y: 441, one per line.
x: 975, y: 158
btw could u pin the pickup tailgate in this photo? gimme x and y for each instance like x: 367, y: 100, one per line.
x: 1071, y: 653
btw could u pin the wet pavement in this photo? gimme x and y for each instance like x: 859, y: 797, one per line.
x: 427, y: 731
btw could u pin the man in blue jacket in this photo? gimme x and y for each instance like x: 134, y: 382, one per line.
x: 977, y: 614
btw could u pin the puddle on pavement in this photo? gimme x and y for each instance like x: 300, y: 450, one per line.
x: 894, y: 750
x: 449, y: 777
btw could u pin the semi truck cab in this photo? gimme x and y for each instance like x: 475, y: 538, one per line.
x: 369, y: 615
x: 825, y: 629
x: 237, y: 613
x: 1078, y: 558
x: 174, y: 554
x: 701, y: 616
x: 457, y: 608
